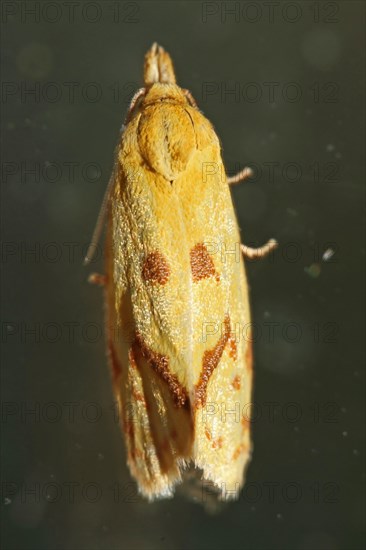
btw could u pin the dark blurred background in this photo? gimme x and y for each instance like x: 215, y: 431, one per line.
x: 283, y: 85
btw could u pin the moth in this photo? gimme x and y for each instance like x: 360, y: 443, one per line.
x: 176, y: 294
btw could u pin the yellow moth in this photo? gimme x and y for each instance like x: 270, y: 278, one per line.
x: 176, y: 294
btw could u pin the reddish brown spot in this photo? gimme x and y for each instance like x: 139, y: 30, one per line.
x: 135, y: 393
x: 156, y: 268
x: 202, y: 265
x: 208, y: 434
x: 233, y: 349
x: 138, y: 396
x: 115, y: 364
x: 129, y: 430
x: 132, y: 359
x: 245, y: 423
x: 173, y: 434
x: 210, y: 361
x: 217, y: 444
x: 249, y: 356
x: 240, y: 449
x: 160, y: 364
x: 236, y: 383
x: 138, y: 454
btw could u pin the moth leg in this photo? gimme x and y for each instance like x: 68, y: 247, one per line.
x: 190, y: 98
x: 134, y: 101
x: 97, y: 279
x: 254, y: 253
x: 240, y: 176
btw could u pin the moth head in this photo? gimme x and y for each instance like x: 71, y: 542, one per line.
x: 158, y: 66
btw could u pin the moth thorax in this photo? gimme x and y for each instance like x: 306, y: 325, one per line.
x: 166, y: 136
x: 158, y: 66
x: 160, y: 92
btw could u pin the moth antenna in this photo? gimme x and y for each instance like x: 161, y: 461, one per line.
x: 100, y: 222
x: 158, y: 66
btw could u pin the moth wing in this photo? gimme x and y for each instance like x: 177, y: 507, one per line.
x: 158, y: 434
x: 222, y: 361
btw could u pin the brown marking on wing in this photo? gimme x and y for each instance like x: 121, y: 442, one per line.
x: 160, y: 364
x: 132, y: 359
x: 218, y: 443
x: 137, y: 453
x: 202, y: 265
x: 210, y: 361
x: 233, y: 348
x: 249, y: 356
x: 240, y: 449
x: 236, y: 383
x: 129, y: 431
x: 115, y: 364
x: 156, y: 268
x: 245, y: 423
x: 208, y: 434
x: 138, y: 396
